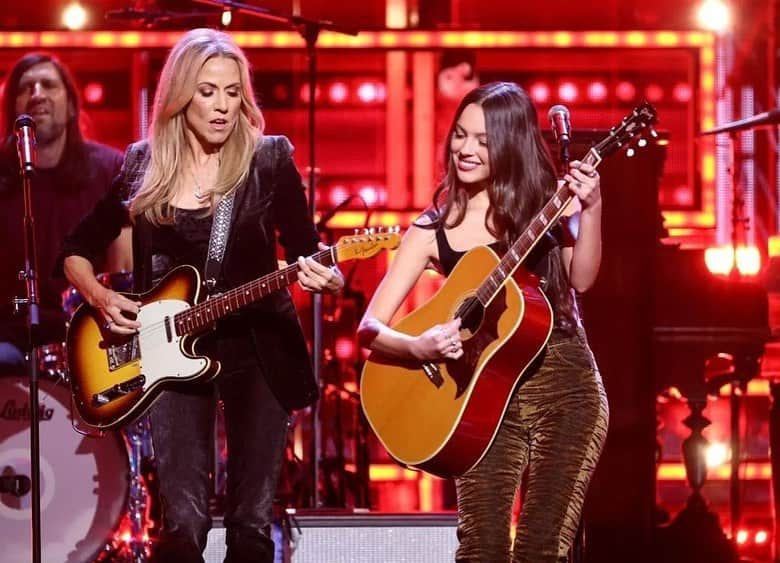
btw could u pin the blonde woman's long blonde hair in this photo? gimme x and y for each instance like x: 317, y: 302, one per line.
x: 167, y: 134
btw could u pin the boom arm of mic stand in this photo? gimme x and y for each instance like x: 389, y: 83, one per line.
x: 266, y: 14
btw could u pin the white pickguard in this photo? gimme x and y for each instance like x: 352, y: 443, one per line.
x: 161, y: 358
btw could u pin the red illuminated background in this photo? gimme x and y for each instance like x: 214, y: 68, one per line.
x: 381, y: 110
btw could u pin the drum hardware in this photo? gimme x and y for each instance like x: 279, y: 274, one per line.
x: 83, y: 483
x: 16, y: 485
x: 127, y: 533
x: 133, y: 540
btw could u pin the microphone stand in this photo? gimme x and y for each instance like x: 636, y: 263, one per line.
x: 309, y: 29
x: 30, y: 276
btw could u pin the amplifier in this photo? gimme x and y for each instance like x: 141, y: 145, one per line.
x: 328, y: 537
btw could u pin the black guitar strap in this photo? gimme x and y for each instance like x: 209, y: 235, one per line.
x: 220, y: 230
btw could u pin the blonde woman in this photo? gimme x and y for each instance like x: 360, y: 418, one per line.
x: 205, y: 146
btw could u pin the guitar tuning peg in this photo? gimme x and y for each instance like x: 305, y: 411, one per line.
x: 653, y: 133
x: 356, y: 232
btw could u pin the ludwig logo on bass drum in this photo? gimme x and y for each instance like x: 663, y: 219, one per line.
x: 12, y: 412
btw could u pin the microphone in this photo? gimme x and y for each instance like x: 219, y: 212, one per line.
x: 24, y: 127
x: 17, y: 485
x: 561, y: 126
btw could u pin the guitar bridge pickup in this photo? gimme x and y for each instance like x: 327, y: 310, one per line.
x: 118, y: 390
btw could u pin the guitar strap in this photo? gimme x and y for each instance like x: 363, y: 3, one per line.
x: 220, y: 230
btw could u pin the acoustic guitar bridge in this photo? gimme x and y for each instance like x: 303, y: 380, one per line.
x: 433, y: 373
x: 118, y: 390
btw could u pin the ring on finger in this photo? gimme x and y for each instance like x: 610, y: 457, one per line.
x: 107, y: 325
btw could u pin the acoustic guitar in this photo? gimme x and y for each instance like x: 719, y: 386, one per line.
x: 441, y: 417
x: 115, y: 378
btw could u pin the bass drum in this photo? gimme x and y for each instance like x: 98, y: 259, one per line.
x: 84, y: 480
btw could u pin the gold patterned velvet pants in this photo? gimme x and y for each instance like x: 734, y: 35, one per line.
x: 555, y: 426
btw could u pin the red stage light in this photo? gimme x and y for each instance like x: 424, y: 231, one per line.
x: 625, y: 91
x: 682, y: 92
x: 345, y: 348
x: 337, y: 194
x: 93, y: 93
x: 368, y: 93
x: 654, y: 93
x: 567, y: 91
x: 280, y: 92
x: 597, y: 91
x: 305, y: 93
x: 539, y: 92
x: 683, y: 195
x: 338, y: 92
x: 373, y: 195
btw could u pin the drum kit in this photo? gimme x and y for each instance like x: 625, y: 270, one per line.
x: 97, y: 497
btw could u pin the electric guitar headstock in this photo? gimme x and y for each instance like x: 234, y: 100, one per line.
x: 367, y: 243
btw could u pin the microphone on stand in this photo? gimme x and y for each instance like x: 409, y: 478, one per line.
x: 24, y: 128
x: 561, y: 126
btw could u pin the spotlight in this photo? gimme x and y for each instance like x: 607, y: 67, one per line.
x: 74, y: 16
x: 227, y: 17
x: 720, y: 260
x: 714, y: 15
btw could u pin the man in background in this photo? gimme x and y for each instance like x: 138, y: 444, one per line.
x: 71, y: 175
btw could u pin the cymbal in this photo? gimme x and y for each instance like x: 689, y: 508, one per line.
x: 770, y: 117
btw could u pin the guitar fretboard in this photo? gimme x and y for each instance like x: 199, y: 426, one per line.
x: 540, y: 224
x: 201, y: 316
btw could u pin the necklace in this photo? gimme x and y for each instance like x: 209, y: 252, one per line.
x: 198, y: 194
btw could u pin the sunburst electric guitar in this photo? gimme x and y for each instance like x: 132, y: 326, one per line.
x: 114, y: 378
x: 442, y: 417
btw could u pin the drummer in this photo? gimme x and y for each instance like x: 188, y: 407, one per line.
x: 71, y: 174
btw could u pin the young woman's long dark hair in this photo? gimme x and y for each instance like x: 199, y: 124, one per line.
x: 522, y: 178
